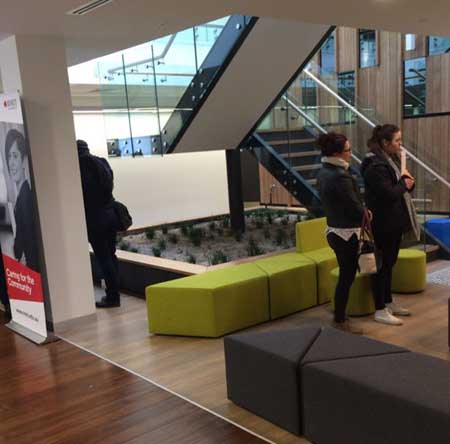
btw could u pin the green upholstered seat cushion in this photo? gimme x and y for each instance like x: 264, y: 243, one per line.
x: 360, y: 301
x: 325, y: 260
x: 292, y: 283
x: 209, y: 304
x: 310, y: 235
x: 217, y: 278
x: 410, y: 272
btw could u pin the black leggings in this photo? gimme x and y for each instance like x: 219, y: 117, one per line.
x: 388, y: 245
x: 347, y: 257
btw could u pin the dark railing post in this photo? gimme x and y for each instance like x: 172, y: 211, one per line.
x: 236, y: 202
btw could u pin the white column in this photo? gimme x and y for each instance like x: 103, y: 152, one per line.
x: 36, y: 66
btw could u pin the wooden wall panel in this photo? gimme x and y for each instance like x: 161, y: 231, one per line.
x: 438, y: 84
x: 346, y: 49
x: 280, y: 196
x: 381, y: 86
x: 420, y: 51
x: 429, y: 137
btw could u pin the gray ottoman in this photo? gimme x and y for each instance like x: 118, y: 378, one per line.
x: 262, y: 373
x: 401, y: 398
x: 264, y: 369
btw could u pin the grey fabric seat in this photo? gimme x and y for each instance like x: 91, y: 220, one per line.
x: 264, y: 369
x: 401, y: 398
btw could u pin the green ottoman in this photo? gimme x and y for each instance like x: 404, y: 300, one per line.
x: 325, y: 260
x: 360, y: 301
x: 312, y: 243
x: 410, y: 272
x: 209, y: 304
x: 292, y: 283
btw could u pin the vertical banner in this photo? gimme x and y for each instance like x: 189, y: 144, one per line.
x: 19, y: 224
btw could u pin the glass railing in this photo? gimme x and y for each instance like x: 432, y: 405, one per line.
x: 147, y: 93
x: 318, y: 102
x: 368, y: 116
x: 210, y: 61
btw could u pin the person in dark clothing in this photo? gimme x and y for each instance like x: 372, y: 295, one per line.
x: 97, y: 182
x: 344, y: 210
x: 387, y: 196
x: 25, y: 250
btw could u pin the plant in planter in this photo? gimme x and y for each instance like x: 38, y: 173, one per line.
x: 225, y: 222
x: 285, y: 220
x: 280, y: 236
x: 191, y: 258
x: 124, y: 245
x: 266, y: 233
x: 156, y: 252
x: 165, y: 229
x: 150, y: 233
x: 259, y: 223
x: 269, y: 218
x: 185, y: 229
x: 196, y: 235
x: 238, y: 236
x: 173, y: 238
x: 253, y: 249
x: 212, y: 226
x: 162, y: 244
x: 219, y: 231
x: 218, y: 257
x: 134, y: 250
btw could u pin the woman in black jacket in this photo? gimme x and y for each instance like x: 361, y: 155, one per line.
x: 344, y: 210
x: 387, y: 191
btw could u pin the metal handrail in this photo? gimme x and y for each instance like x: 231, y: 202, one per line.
x: 372, y: 125
x: 311, y: 120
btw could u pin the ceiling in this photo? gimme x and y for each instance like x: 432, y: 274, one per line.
x: 124, y: 23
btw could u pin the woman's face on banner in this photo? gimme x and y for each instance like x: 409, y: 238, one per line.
x: 15, y: 164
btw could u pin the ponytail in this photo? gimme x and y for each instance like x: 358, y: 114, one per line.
x: 382, y: 133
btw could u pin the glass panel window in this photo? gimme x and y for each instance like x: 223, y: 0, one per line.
x: 328, y: 55
x: 367, y: 48
x: 410, y: 42
x: 414, y: 87
x: 438, y: 45
x: 346, y: 89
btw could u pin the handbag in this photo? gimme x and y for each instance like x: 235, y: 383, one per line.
x: 368, y: 262
x: 123, y: 217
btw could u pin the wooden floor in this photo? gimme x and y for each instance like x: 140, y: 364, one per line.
x: 194, y: 367
x: 58, y: 394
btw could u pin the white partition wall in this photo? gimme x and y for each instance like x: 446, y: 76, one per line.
x: 36, y: 67
x: 160, y: 189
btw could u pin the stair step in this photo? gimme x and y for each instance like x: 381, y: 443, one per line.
x: 286, y: 141
x: 301, y: 154
x: 314, y: 166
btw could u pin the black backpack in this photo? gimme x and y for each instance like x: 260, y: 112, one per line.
x: 106, y: 178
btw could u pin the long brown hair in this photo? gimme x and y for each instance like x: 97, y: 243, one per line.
x: 379, y: 134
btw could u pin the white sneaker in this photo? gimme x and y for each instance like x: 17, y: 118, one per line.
x: 385, y: 317
x: 397, y: 310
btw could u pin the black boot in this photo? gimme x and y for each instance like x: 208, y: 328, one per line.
x: 8, y: 315
x: 105, y: 302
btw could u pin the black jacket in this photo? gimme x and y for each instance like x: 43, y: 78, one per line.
x: 97, y: 184
x: 384, y: 195
x: 340, y: 197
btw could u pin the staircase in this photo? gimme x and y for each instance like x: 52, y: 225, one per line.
x: 298, y: 149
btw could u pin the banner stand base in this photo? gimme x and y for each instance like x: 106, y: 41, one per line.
x: 31, y: 335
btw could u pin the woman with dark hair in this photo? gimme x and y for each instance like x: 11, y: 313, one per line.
x: 387, y: 193
x: 16, y: 157
x: 344, y: 211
